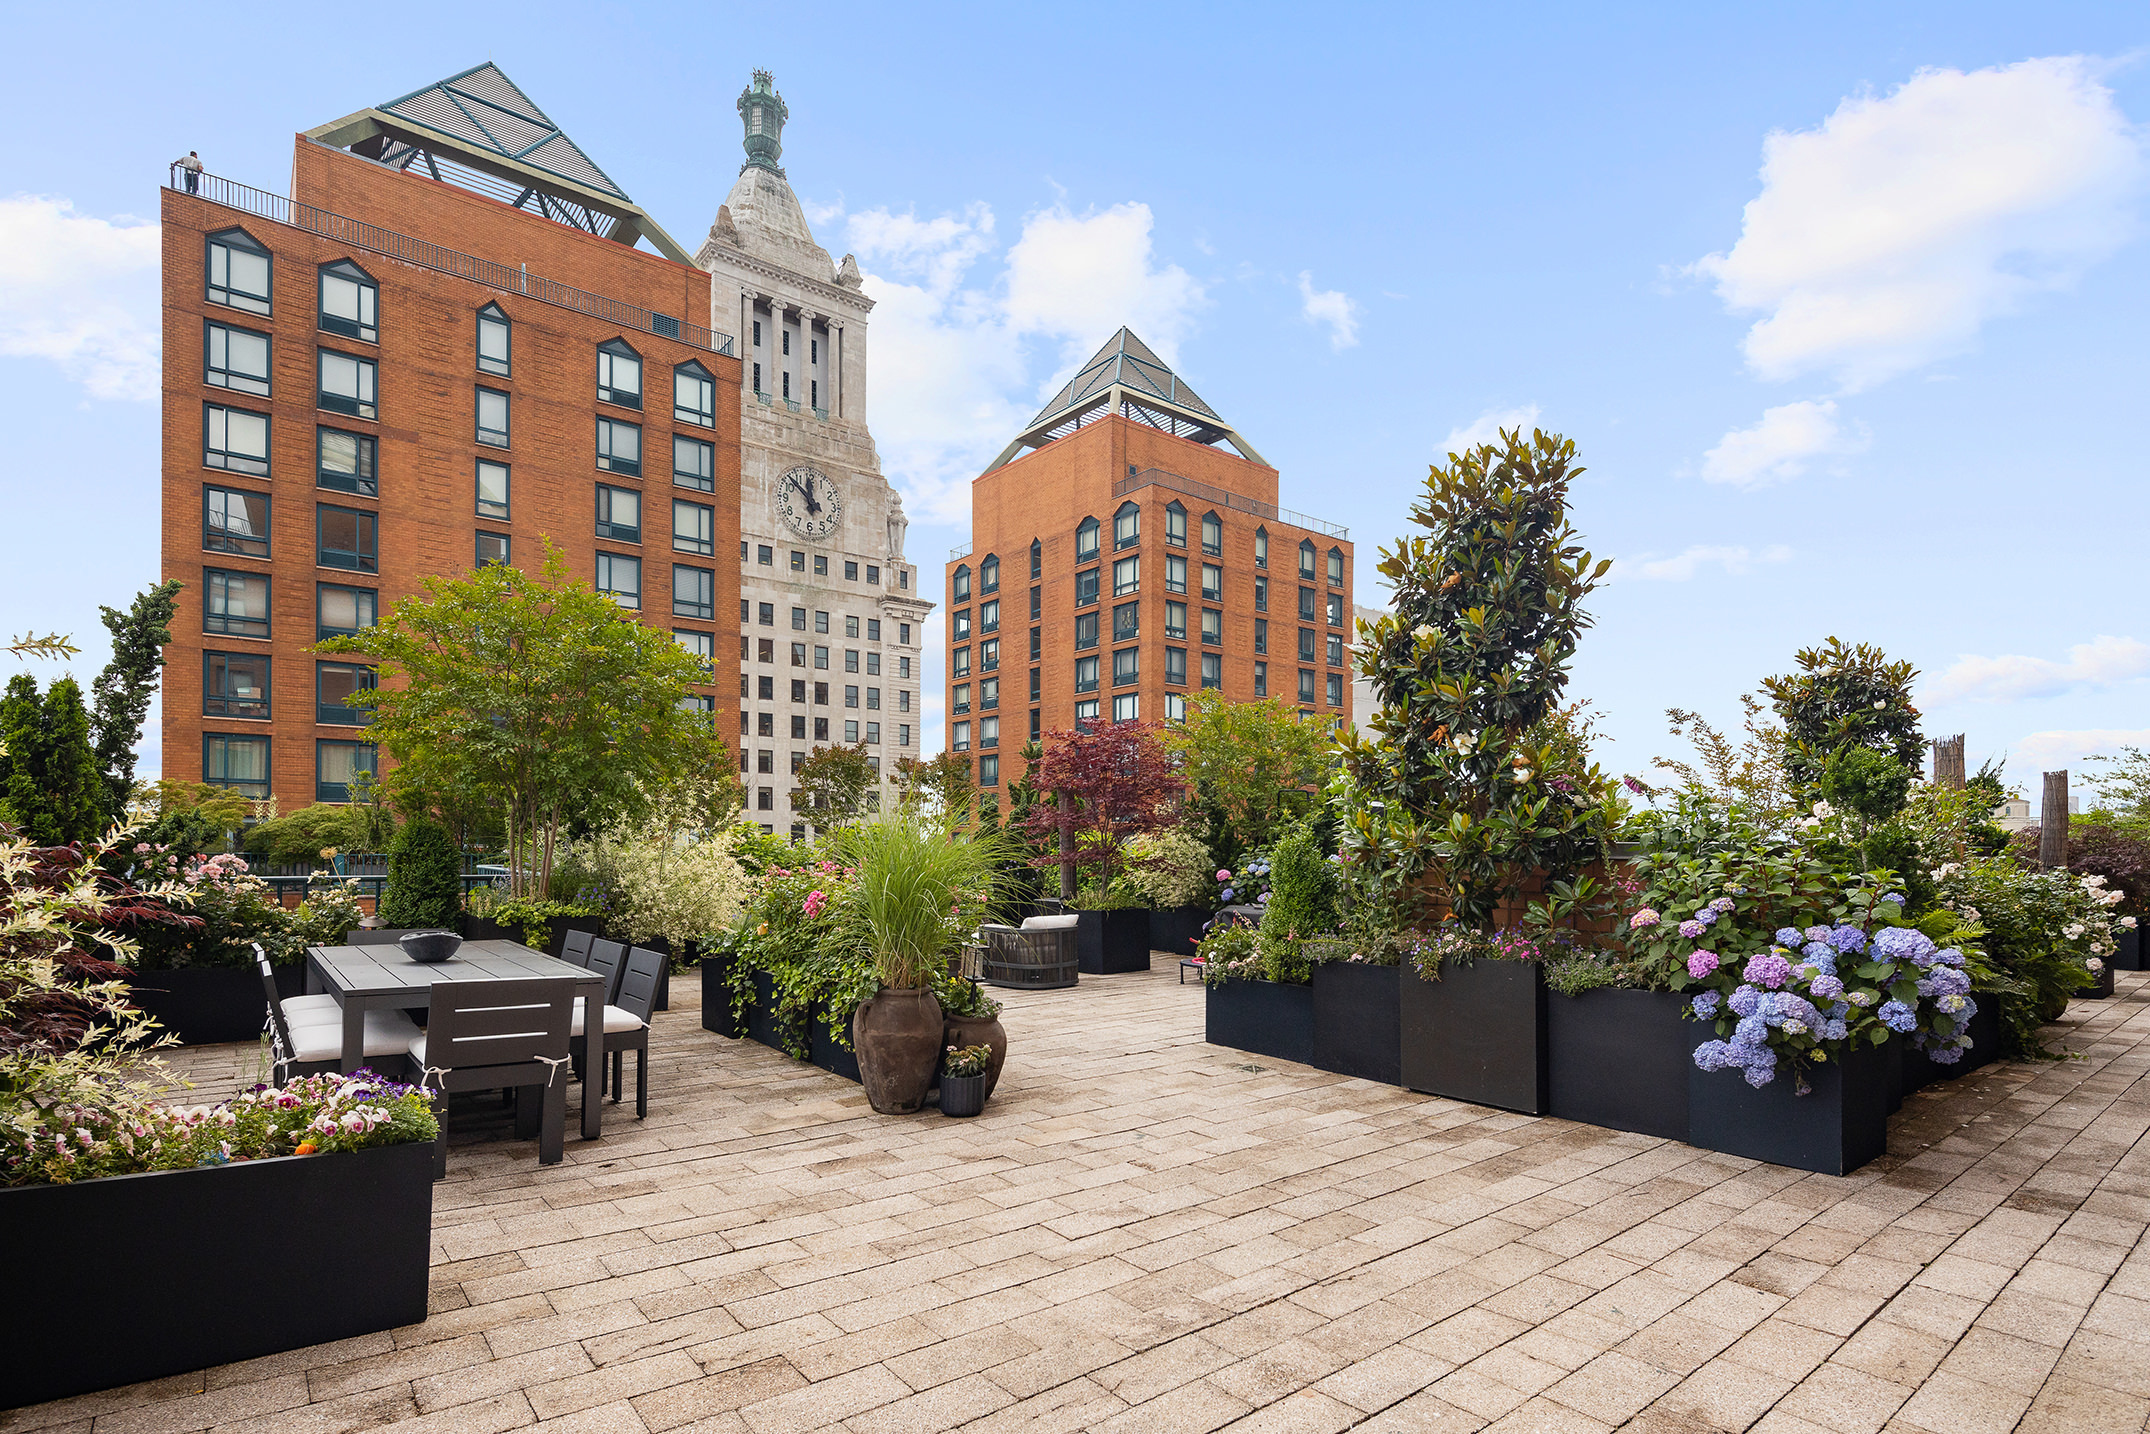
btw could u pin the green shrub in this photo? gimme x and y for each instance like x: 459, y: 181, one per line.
x: 425, y: 878
x: 1302, y: 904
x: 1170, y: 868
x: 299, y: 838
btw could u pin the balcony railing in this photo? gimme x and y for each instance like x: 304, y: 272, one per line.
x: 428, y: 255
x: 1158, y: 477
x: 960, y: 551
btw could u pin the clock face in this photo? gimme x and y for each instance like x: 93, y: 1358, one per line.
x: 808, y: 500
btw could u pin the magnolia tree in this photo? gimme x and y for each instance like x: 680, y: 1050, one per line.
x: 1457, y: 779
x: 1844, y: 699
x: 1102, y: 783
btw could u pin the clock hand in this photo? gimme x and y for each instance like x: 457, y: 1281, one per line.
x: 811, y: 505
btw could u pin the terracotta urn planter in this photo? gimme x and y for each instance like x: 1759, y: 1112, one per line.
x: 979, y: 1031
x: 898, y: 1036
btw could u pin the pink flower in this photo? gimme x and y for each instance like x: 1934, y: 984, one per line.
x: 1768, y: 970
x: 1701, y: 963
x: 1224, y: 876
x: 1642, y: 918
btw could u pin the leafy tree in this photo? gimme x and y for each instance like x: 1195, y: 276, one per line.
x: 1844, y: 695
x: 2123, y: 786
x: 122, y: 692
x: 425, y: 877
x: 1103, y: 782
x: 942, y: 784
x: 533, y: 697
x: 1749, y: 772
x: 1254, y: 765
x: 50, y: 784
x: 835, y: 784
x: 298, y: 838
x: 1473, y: 657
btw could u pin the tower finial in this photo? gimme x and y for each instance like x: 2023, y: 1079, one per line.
x: 763, y: 111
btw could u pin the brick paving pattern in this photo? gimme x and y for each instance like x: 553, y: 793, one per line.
x: 1147, y: 1233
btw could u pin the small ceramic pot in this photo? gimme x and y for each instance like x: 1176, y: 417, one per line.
x: 979, y: 1031
x: 962, y: 1095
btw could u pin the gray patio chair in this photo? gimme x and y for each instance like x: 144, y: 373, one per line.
x: 498, y: 1035
x: 306, y: 1038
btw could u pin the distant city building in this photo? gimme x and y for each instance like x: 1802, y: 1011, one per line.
x: 441, y: 351
x: 2014, y: 815
x: 1364, y: 704
x: 830, y: 617
x: 1126, y: 560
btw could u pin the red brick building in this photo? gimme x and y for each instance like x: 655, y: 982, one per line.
x: 1126, y: 561
x: 442, y: 350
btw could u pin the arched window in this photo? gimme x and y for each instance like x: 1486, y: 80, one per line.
x: 619, y: 374
x: 694, y: 395
x: 1336, y: 567
x: 239, y: 276
x: 959, y: 584
x: 1086, y: 540
x: 1306, y: 559
x: 350, y: 301
x: 1176, y: 523
x: 1213, y: 534
x: 495, y: 340
x: 989, y: 574
x: 1261, y: 547
x: 1127, y: 526
x: 1037, y: 558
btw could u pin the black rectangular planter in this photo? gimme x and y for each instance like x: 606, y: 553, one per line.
x: 1920, y: 1070
x: 1175, y: 930
x: 1836, y: 1128
x: 761, y: 1026
x: 136, y: 1277
x: 1108, y: 943
x: 1619, y: 1059
x: 761, y: 1011
x: 717, y: 998
x: 1477, y: 1034
x: 2130, y: 955
x: 1357, y: 1021
x: 210, y: 1005
x: 823, y: 1051
x: 1261, y: 1018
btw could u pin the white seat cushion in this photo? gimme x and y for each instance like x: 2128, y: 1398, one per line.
x: 1051, y: 923
x: 388, y: 1033
x: 617, y: 1021
x: 300, y: 1008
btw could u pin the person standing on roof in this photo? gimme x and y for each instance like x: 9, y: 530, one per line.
x: 191, y: 167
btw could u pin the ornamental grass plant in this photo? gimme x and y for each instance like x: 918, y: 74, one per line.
x: 917, y: 888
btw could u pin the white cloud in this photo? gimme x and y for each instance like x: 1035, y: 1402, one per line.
x: 1886, y: 237
x: 1781, y: 445
x: 1735, y: 561
x: 1333, y: 307
x: 1487, y: 426
x: 2051, y: 751
x: 2101, y: 662
x: 81, y: 292
x: 952, y: 376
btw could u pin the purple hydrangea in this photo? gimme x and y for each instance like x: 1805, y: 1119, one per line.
x: 1848, y: 939
x: 1832, y: 1030
x: 1791, y: 936
x: 1722, y: 905
x: 1751, y: 1031
x: 1897, y: 1016
x: 1707, y: 916
x: 1817, y: 933
x: 1701, y: 963
x: 1705, y: 1005
x: 1791, y: 1007
x: 1745, y: 1000
x: 1948, y: 956
x: 1642, y: 918
x: 1904, y: 943
x: 1895, y: 896
x: 1948, y: 981
x: 1821, y: 953
x: 1826, y: 986
x: 1945, y: 1055
x: 1757, y: 1063
x: 1767, y: 969
x: 1692, y: 929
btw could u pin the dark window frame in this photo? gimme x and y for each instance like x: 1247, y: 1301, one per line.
x: 327, y: 791
x: 216, y: 580
x: 233, y: 460
x: 226, y: 741
x: 699, y: 417
x: 210, y: 544
x: 365, y: 482
x: 701, y: 547
x: 492, y: 316
x: 605, y: 527
x: 359, y: 595
x: 608, y: 392
x: 359, y: 328
x: 503, y: 437
x: 245, y: 381
x: 352, y: 407
x: 610, y: 462
x: 211, y: 289
x: 218, y: 701
x: 704, y: 609
x: 337, y: 714
x: 481, y: 505
x: 366, y: 523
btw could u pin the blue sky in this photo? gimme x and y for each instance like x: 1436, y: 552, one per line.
x: 1903, y: 403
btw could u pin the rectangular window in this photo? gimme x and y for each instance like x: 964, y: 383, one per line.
x: 1175, y: 707
x: 345, y: 462
x: 1037, y: 603
x: 1035, y: 683
x: 765, y: 614
x: 1176, y: 525
x: 694, y: 593
x: 798, y: 690
x: 873, y: 733
x: 1336, y: 689
x: 492, y: 490
x: 873, y: 629
x: 333, y: 682
x: 959, y: 585
x: 989, y: 693
x: 1036, y: 640
x: 347, y: 384
x: 989, y: 616
x: 1086, y: 541
x: 350, y: 303
x: 337, y: 765
x: 1336, y: 650
x: 798, y: 654
x: 1126, y: 666
x: 959, y: 625
x: 1212, y: 582
x: 237, y: 359
x: 619, y: 447
x: 960, y: 737
x: 235, y: 684
x: 239, y: 763
x: 492, y: 550
x: 341, y: 611
x: 989, y: 731
x: 903, y: 734
x: 821, y: 620
x: 1261, y: 594
x: 960, y: 659
x: 702, y: 645
x: 903, y: 701
x: 1127, y: 527
x: 821, y: 565
x: 1306, y: 686
x: 989, y: 654
x: 1336, y: 609
x: 1307, y: 607
x: 821, y: 698
x: 493, y: 338
x: 619, y: 375
x: 694, y: 528
x: 1306, y: 644
x: 694, y: 395
x: 1176, y: 666
x: 492, y: 417
x: 694, y: 464
x: 1175, y: 574
x: 1261, y: 634
x: 798, y: 561
x: 873, y: 696
x: 873, y: 575
x: 235, y: 440
x: 1213, y: 535
x: 1176, y: 620
x: 1127, y: 622
x: 1261, y: 679
x: 1336, y: 567
x: 959, y: 697
x: 1213, y: 669
x: 619, y: 514
x: 1212, y: 627
x: 798, y: 619
x: 1127, y: 707
x: 1261, y: 547
x: 238, y: 273
x: 764, y: 688
x: 1086, y: 710
x: 1086, y: 674
x: 235, y: 521
x: 1086, y: 587
x: 851, y: 659
x: 1127, y: 575
x: 1306, y: 561
x: 903, y: 634
x: 798, y: 734
x: 821, y: 658
x: 349, y: 538
x: 851, y: 572
x: 1085, y: 630
x: 619, y: 577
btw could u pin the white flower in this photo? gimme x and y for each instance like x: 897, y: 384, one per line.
x: 1522, y: 775
x: 2127, y: 923
x: 1824, y: 810
x: 1463, y: 742
x: 2093, y: 882
x: 2094, y: 965
x: 1943, y: 873
x: 2072, y: 930
x: 1423, y: 631
x: 1879, y: 705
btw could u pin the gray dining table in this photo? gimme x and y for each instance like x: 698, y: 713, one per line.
x: 382, y: 978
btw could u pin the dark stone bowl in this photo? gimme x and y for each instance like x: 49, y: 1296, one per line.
x: 427, y: 947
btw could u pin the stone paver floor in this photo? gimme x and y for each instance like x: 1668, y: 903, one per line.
x: 1147, y: 1233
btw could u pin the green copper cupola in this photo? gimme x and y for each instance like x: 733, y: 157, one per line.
x: 763, y: 112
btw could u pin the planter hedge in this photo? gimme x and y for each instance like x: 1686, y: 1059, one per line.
x: 1357, y: 1021
x: 1177, y: 930
x: 1261, y: 1018
x: 210, y: 1005
x: 1839, y: 1126
x: 137, y: 1277
x: 1477, y: 1034
x: 1108, y: 943
x: 1619, y: 1059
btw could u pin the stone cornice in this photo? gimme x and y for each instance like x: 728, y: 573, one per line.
x: 821, y: 289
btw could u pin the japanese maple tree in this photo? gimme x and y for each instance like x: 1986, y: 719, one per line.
x: 1104, y: 781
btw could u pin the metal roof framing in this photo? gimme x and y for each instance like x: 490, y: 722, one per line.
x: 1126, y: 378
